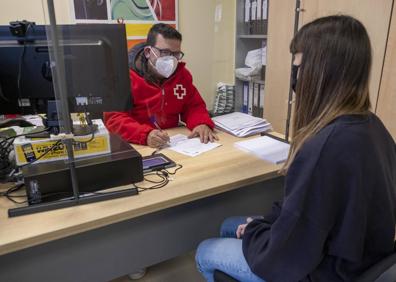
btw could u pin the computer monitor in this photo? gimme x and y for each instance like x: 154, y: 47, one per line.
x: 96, y: 65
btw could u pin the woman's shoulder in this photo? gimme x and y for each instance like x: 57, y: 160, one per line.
x: 339, y: 137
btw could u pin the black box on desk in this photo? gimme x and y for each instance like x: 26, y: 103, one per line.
x: 51, y: 181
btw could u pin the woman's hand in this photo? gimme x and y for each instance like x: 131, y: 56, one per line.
x: 241, y: 228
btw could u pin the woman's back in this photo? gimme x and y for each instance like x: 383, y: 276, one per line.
x: 338, y: 215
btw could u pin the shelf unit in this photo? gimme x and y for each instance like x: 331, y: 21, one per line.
x: 252, y: 36
x: 246, y: 41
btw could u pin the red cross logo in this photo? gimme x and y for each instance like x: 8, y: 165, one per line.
x: 179, y: 91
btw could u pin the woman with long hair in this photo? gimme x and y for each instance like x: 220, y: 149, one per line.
x: 338, y: 214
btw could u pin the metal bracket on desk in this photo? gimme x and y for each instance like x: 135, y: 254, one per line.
x: 275, y: 137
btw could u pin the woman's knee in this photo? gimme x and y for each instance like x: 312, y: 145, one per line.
x: 229, y: 226
x: 204, y: 253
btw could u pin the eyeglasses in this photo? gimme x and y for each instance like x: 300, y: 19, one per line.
x: 166, y: 52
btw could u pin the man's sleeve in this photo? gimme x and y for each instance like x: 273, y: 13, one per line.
x: 194, y: 109
x: 127, y: 127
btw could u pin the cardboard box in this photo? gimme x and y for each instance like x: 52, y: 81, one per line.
x: 30, y: 150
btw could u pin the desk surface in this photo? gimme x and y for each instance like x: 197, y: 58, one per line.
x: 222, y: 169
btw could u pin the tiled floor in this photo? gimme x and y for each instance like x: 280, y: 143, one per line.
x: 180, y: 269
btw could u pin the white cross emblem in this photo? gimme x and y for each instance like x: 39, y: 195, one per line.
x: 179, y: 91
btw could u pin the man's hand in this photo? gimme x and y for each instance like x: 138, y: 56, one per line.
x: 157, y: 138
x: 241, y: 228
x: 204, y: 132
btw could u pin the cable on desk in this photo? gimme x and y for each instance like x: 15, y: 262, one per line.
x: 11, y: 190
x: 164, y: 178
x: 7, y: 167
x: 178, y: 166
x: 19, y: 135
x: 89, y: 140
x: 90, y: 124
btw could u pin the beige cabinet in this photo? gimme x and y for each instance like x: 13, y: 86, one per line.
x: 374, y: 14
x: 386, y: 106
x: 277, y: 78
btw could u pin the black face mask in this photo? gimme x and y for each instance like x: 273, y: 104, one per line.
x: 294, y: 72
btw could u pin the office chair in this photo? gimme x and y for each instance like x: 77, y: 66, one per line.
x: 382, y: 271
x: 220, y: 276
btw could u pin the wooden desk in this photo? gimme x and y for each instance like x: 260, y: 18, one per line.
x: 101, y: 241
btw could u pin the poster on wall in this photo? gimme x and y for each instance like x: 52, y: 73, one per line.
x: 138, y: 15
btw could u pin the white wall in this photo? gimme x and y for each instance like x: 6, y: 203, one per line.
x: 209, y: 45
x: 33, y: 10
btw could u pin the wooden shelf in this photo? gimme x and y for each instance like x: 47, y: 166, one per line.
x: 252, y: 80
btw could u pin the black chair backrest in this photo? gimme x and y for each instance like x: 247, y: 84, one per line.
x: 382, y: 271
x: 220, y: 276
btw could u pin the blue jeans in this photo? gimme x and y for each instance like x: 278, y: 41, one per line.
x: 225, y: 254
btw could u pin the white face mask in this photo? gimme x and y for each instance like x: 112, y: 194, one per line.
x: 166, y: 65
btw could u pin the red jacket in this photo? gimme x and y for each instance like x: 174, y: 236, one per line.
x: 177, y: 96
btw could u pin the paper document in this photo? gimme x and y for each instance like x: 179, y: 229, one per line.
x: 190, y: 147
x: 34, y: 119
x: 265, y: 148
x: 241, y: 125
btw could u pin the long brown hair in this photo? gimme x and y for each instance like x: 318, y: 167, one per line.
x: 333, y: 75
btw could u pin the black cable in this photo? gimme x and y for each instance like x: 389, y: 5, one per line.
x: 19, y: 77
x: 10, y: 198
x: 11, y: 190
x: 6, y: 147
x: 163, y: 175
x: 5, y: 163
x: 90, y: 139
x: 2, y: 96
x: 20, y: 70
x: 17, y: 187
x: 178, y: 166
x: 29, y: 133
x: 90, y: 124
x: 43, y: 154
x: 156, y: 173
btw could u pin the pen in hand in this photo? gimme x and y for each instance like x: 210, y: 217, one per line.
x: 163, y: 136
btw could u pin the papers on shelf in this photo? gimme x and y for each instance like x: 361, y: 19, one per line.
x: 34, y: 119
x: 265, y: 148
x: 190, y: 147
x: 241, y: 125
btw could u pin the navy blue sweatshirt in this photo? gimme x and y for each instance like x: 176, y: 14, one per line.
x: 338, y: 213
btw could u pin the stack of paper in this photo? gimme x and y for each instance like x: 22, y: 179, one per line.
x: 224, y: 101
x: 190, y: 147
x: 241, y: 125
x: 265, y: 148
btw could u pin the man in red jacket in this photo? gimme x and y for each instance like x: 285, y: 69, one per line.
x: 163, y: 93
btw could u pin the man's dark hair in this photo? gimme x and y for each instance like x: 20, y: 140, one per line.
x: 165, y: 30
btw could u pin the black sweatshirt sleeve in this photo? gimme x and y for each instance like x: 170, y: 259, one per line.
x: 274, y: 214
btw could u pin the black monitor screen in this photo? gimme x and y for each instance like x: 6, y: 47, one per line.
x: 96, y: 65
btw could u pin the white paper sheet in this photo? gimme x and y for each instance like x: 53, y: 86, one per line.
x: 265, y: 148
x: 190, y: 147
